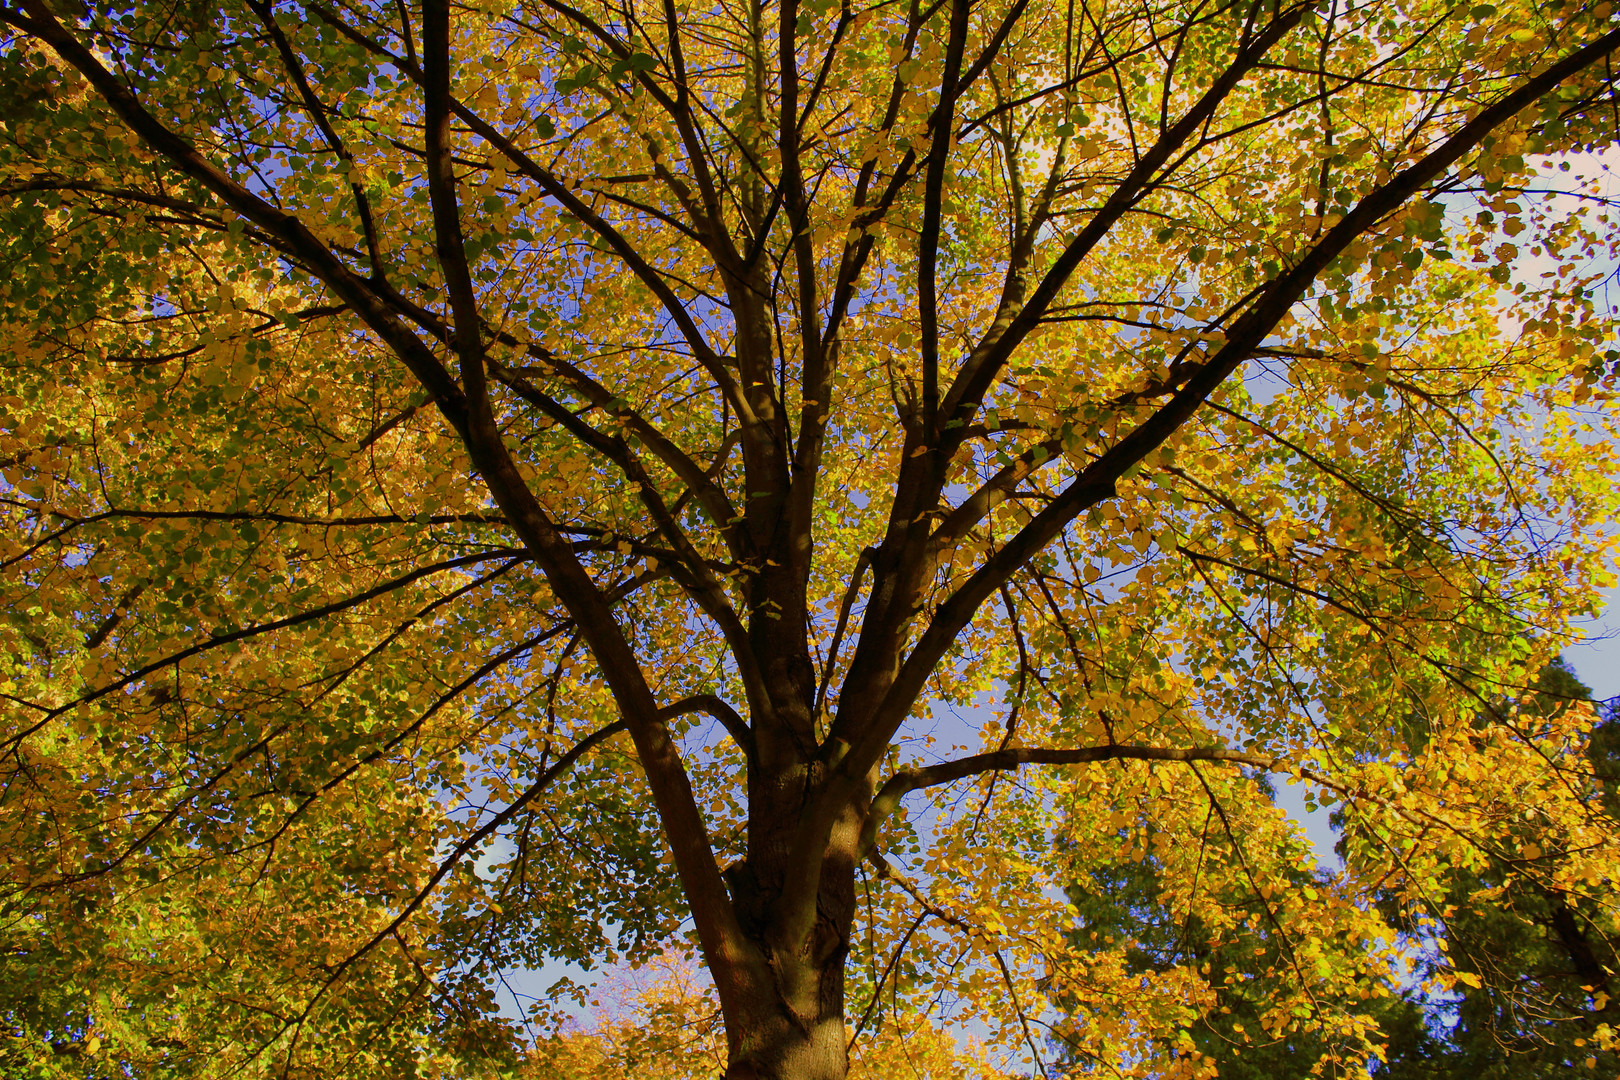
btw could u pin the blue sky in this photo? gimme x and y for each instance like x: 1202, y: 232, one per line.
x: 1598, y: 661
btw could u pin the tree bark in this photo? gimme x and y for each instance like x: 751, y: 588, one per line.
x: 788, y: 1022
x: 793, y: 1029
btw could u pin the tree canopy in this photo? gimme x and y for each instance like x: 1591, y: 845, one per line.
x: 813, y: 488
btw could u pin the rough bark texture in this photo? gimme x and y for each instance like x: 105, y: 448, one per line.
x: 794, y: 1028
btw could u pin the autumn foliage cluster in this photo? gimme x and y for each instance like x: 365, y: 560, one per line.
x: 853, y: 517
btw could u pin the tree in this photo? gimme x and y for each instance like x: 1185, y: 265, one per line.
x: 1535, y: 965
x: 1247, y: 956
x: 1514, y: 977
x: 512, y: 482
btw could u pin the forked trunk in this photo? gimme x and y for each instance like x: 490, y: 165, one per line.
x: 784, y: 993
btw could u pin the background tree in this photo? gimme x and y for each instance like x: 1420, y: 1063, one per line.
x: 1534, y: 967
x: 503, y: 483
x: 1129, y: 909
x: 1514, y: 971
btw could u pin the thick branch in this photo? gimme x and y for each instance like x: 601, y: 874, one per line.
x: 906, y: 781
x: 933, y: 210
x: 734, y: 724
x: 450, y: 247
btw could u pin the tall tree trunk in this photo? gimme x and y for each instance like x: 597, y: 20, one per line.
x: 795, y: 1029
x: 788, y: 1021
